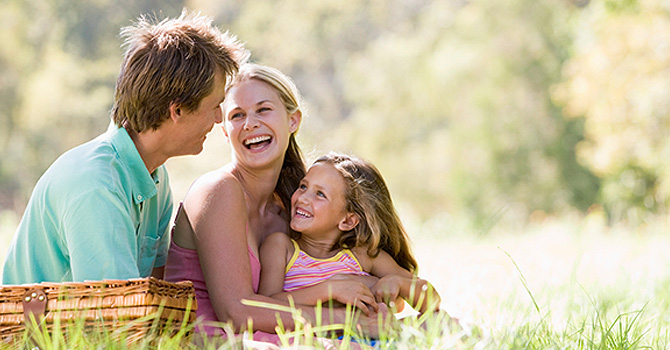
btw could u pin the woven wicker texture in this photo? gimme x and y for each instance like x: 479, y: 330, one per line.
x: 108, y: 303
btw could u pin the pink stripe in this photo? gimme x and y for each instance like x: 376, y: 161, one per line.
x: 307, y: 271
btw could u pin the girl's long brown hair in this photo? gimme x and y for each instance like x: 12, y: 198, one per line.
x: 368, y: 197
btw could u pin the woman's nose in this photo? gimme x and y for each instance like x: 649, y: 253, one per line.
x: 251, y: 122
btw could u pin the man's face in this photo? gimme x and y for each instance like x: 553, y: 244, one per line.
x: 194, y: 126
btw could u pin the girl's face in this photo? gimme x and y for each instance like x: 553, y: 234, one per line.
x: 257, y: 124
x: 318, y: 205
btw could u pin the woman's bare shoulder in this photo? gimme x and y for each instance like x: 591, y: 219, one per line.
x: 214, y: 181
x: 279, y: 239
x: 213, y: 185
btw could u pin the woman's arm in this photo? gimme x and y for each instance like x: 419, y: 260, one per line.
x: 216, y: 208
x: 395, y: 281
x: 275, y: 254
x: 217, y: 211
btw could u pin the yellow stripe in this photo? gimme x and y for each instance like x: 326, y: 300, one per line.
x: 353, y: 256
x: 294, y: 257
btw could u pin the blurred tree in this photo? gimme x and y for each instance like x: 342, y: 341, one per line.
x: 460, y: 103
x: 455, y: 109
x: 59, y: 62
x: 618, y: 82
x: 311, y: 42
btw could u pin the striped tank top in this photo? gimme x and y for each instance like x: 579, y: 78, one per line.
x: 303, y: 270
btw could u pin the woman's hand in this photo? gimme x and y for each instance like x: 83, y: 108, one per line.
x: 367, y: 325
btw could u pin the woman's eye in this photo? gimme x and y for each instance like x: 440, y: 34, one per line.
x: 236, y: 115
x: 263, y: 109
x: 302, y: 187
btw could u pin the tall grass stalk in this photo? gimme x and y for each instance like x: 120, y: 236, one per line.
x: 601, y: 327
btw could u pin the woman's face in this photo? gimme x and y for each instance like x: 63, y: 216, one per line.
x: 257, y: 124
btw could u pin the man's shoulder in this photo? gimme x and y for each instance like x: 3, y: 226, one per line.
x: 93, y: 164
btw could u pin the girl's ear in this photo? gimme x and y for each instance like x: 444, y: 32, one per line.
x: 349, y: 222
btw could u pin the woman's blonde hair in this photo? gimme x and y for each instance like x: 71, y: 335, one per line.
x: 368, y: 197
x: 293, y: 168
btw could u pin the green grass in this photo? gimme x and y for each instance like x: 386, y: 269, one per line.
x: 568, y: 283
x: 601, y: 327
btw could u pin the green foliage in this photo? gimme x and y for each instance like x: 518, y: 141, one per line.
x: 618, y: 82
x: 486, y: 111
x: 58, y: 66
x: 458, y: 115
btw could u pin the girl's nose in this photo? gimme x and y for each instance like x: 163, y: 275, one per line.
x: 303, y: 198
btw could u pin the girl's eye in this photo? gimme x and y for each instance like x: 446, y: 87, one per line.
x: 235, y: 116
x: 302, y: 187
x: 263, y: 109
x: 321, y: 194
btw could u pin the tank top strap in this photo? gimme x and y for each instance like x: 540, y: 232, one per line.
x: 351, y: 254
x: 294, y: 257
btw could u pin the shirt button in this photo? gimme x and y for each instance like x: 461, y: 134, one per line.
x: 139, y: 198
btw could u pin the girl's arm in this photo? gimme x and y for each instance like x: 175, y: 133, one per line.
x: 395, y: 281
x: 275, y: 254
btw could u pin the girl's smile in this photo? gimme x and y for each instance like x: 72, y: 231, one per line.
x: 318, y: 204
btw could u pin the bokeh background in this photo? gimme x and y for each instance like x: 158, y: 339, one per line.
x: 535, y: 123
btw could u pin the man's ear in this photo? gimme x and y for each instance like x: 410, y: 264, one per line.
x: 294, y: 121
x: 175, y: 111
x: 348, y: 222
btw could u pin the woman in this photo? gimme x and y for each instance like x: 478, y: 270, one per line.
x: 227, y: 213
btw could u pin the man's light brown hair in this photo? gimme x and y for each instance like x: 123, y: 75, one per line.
x: 171, y: 61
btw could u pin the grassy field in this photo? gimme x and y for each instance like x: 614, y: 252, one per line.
x: 568, y: 283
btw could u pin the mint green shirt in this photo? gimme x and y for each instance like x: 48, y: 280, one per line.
x: 95, y: 214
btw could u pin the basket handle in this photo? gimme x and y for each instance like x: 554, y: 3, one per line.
x: 34, y: 303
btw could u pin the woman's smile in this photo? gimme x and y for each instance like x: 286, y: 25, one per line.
x: 259, y: 142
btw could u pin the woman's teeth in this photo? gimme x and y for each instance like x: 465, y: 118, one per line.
x: 256, y: 141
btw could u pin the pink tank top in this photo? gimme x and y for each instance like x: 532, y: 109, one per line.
x: 183, y: 264
x: 303, y: 270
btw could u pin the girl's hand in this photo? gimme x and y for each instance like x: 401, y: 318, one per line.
x: 387, y: 289
x: 352, y: 291
x: 418, y: 292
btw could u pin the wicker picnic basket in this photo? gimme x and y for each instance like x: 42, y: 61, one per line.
x: 133, y: 306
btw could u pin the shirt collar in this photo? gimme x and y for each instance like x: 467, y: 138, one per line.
x: 143, y: 183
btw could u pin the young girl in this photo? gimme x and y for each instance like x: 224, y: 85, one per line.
x: 344, y: 228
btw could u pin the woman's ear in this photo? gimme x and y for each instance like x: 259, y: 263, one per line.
x: 225, y: 132
x: 294, y: 121
x: 349, y: 222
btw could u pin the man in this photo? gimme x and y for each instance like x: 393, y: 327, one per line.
x: 102, y: 210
